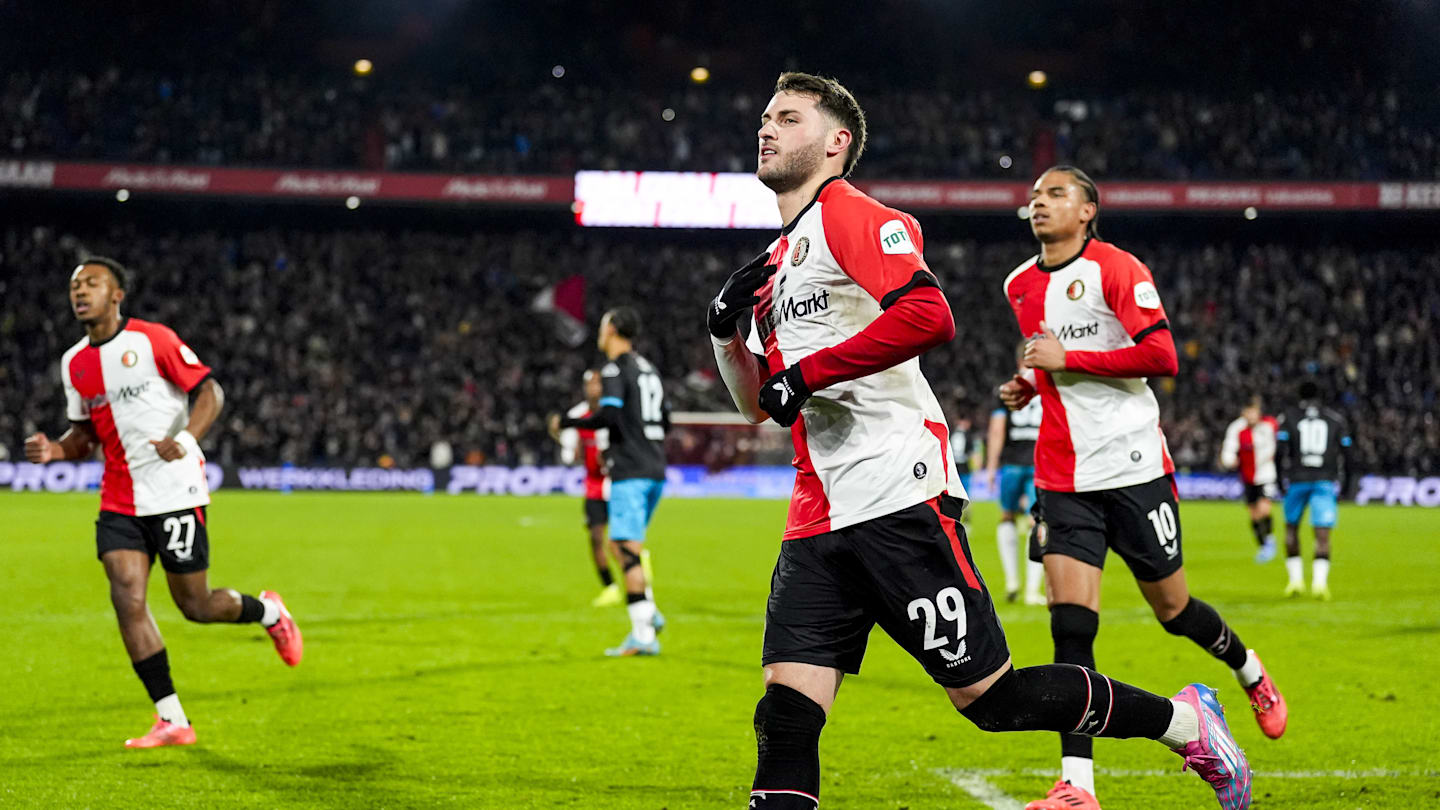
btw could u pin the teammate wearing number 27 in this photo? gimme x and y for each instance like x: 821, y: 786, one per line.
x: 1103, y: 476
x: 843, y: 306
x: 127, y: 386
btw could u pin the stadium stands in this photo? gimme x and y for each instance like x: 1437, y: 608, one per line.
x: 343, y: 346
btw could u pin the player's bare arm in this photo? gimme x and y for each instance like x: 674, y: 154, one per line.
x: 78, y: 442
x: 994, y: 443
x: 203, y: 413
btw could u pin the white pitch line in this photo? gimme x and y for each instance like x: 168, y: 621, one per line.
x: 954, y: 774
x: 982, y: 791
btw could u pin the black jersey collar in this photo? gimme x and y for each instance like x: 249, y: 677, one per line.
x: 120, y: 329
x: 785, y: 231
x: 1045, y: 269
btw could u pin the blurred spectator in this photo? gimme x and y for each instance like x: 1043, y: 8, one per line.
x: 1343, y: 131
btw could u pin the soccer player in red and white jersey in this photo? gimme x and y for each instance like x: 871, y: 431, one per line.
x: 843, y: 306
x: 1103, y: 475
x: 588, y: 445
x: 1250, y: 445
x: 127, y: 388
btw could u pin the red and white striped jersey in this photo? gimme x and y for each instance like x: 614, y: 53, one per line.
x: 591, y: 443
x: 1097, y: 432
x: 134, y: 388
x: 877, y: 444
x: 1252, y: 449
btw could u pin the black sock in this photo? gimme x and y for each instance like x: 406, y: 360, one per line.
x: 787, y: 737
x: 1201, y: 624
x: 251, y: 610
x: 1069, y: 699
x: 1074, y: 627
x: 1261, y: 529
x: 154, y: 672
x: 606, y: 578
x: 632, y: 598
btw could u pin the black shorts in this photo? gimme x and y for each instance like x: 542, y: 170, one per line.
x: 179, y: 538
x: 597, y: 512
x: 910, y: 572
x: 1254, y: 492
x: 1141, y: 522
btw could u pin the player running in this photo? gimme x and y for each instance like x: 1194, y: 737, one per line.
x: 1011, y: 442
x: 127, y: 386
x: 843, y: 306
x: 1103, y: 475
x: 636, y: 414
x: 1314, y: 450
x: 588, y: 445
x: 1250, y: 445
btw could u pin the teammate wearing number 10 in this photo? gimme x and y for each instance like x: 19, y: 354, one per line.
x: 1103, y: 475
x: 127, y: 386
x: 636, y: 415
x: 843, y: 306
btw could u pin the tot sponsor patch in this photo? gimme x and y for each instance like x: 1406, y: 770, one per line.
x: 894, y: 239
x: 1146, y: 296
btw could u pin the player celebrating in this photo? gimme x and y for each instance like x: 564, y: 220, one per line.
x: 1102, y: 471
x: 126, y: 389
x: 1314, y: 444
x: 1250, y: 445
x: 844, y: 304
x: 591, y: 443
x: 1011, y: 442
x: 636, y: 414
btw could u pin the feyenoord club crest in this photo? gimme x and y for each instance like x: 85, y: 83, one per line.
x: 802, y: 249
x: 1075, y: 290
x: 1042, y: 533
x: 129, y: 359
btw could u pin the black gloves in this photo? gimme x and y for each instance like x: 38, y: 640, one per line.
x: 738, y: 295
x: 782, y: 395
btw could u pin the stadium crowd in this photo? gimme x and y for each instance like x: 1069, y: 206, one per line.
x: 1340, y: 131
x: 343, y: 347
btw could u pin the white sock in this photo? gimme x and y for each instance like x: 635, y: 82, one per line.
x: 1034, y: 577
x: 1184, y: 726
x: 272, y: 612
x: 641, y: 615
x: 1006, y: 539
x: 1249, y: 673
x: 1080, y: 772
x: 1295, y: 566
x: 1320, y: 573
x: 169, y: 710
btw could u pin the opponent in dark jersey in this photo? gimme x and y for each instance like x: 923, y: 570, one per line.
x: 1313, y: 447
x: 1010, y: 452
x: 634, y: 410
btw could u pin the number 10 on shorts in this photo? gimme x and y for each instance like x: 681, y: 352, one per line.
x: 1166, y: 529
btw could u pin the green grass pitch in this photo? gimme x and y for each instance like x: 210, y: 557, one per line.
x: 452, y: 659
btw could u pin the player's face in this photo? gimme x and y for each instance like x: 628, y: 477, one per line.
x: 1251, y: 414
x: 1058, y: 207
x: 793, y: 133
x: 602, y: 335
x: 93, y: 294
x: 592, y: 387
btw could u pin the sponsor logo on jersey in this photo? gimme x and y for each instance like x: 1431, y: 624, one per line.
x: 1146, y: 296
x: 1075, y: 290
x: 188, y: 355
x: 802, y: 249
x: 800, y: 308
x: 894, y: 239
x: 129, y: 359
x: 1074, y: 331
x: 129, y: 391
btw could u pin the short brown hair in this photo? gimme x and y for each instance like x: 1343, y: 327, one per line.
x: 835, y: 101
